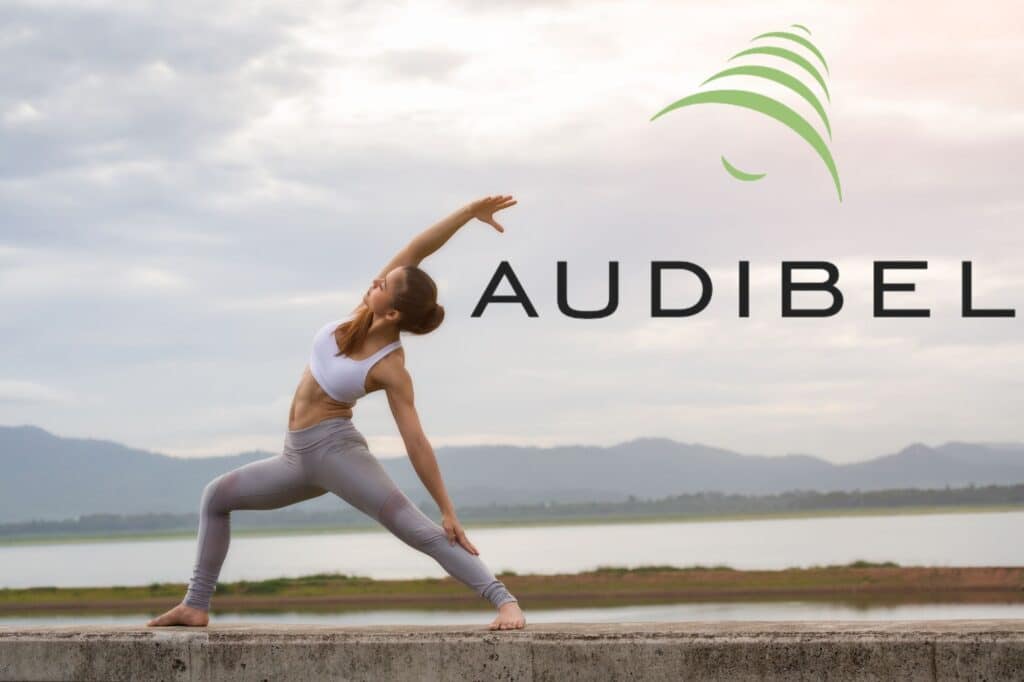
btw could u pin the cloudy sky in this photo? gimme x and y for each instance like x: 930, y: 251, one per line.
x: 188, y: 191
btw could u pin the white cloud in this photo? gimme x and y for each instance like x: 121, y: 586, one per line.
x: 323, y: 300
x: 18, y: 391
x: 37, y: 273
x: 22, y: 112
x: 153, y: 278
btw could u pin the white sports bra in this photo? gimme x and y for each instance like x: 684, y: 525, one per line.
x: 340, y: 376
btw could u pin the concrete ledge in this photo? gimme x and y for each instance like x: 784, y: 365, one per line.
x: 730, y: 650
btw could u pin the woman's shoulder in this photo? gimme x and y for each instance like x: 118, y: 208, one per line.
x: 390, y: 372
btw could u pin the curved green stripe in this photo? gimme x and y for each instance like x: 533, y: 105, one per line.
x: 803, y: 27
x: 800, y: 40
x: 782, y: 78
x: 740, y: 175
x: 770, y: 107
x: 791, y: 56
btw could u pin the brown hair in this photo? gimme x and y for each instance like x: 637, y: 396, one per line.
x: 417, y: 301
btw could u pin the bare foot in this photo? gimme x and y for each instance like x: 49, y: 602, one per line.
x: 181, y: 615
x: 510, y: 617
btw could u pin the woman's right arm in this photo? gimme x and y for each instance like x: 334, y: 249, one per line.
x: 398, y: 386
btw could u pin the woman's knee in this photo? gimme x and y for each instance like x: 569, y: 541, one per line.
x: 216, y: 494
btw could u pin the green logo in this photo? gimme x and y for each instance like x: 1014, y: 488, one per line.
x: 771, y: 107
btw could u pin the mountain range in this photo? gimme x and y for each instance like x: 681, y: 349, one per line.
x: 47, y: 477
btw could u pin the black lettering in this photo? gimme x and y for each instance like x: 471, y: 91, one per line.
x: 967, y: 310
x: 504, y: 270
x: 613, y: 294
x: 705, y: 283
x: 789, y: 286
x: 744, y: 288
x: 881, y: 286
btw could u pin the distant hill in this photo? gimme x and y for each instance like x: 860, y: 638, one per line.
x: 48, y: 477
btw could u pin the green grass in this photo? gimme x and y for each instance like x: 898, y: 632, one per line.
x: 859, y: 582
x: 322, y: 584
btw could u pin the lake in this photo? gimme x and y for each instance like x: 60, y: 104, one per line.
x: 945, y: 539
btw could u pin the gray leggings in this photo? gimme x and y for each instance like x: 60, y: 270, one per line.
x: 330, y: 456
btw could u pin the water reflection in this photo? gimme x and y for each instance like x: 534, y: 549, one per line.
x: 712, y: 611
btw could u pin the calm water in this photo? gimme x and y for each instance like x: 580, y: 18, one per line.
x: 956, y: 539
x: 666, y: 612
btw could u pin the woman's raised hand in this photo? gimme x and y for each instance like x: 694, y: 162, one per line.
x: 484, y: 209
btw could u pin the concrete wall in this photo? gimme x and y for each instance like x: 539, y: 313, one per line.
x: 737, y: 650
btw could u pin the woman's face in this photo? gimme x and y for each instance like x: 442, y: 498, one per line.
x: 380, y: 296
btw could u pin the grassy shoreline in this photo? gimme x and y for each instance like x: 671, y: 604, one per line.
x: 859, y: 583
x: 471, y: 524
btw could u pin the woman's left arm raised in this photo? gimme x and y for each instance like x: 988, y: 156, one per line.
x: 435, y: 236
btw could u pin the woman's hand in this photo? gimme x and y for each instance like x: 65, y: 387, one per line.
x: 484, y: 209
x: 454, y: 530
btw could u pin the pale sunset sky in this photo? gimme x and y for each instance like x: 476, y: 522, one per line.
x: 188, y: 191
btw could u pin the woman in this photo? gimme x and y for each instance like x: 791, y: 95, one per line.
x: 323, y: 450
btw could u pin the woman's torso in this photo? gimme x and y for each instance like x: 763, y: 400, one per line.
x: 311, y: 404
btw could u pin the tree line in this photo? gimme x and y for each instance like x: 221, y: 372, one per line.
x: 686, y: 505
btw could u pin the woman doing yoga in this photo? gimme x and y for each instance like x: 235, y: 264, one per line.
x: 324, y: 452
